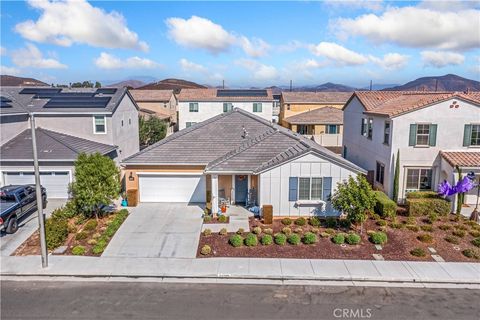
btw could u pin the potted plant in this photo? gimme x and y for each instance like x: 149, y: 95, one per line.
x: 124, y: 199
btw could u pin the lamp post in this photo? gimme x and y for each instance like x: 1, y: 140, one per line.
x: 38, y: 190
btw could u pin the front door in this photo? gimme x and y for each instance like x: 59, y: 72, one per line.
x: 241, y: 188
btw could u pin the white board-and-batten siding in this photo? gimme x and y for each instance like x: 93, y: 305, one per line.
x: 274, y: 184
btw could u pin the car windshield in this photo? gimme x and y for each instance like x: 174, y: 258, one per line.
x: 7, y: 197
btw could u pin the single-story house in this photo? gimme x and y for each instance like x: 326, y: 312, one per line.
x: 240, y: 158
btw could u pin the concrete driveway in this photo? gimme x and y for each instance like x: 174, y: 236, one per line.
x: 26, y: 227
x: 167, y: 230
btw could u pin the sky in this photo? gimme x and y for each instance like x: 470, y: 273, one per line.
x: 244, y: 43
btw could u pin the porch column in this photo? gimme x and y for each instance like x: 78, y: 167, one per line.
x: 249, y: 183
x: 232, y: 192
x: 214, y: 194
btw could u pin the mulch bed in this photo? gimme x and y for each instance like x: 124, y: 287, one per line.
x: 400, y: 243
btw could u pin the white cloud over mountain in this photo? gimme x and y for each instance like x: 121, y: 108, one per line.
x: 109, y: 61
x: 32, y: 57
x: 440, y: 59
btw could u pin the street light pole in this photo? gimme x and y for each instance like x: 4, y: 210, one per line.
x: 38, y: 189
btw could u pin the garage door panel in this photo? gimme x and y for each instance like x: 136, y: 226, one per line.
x: 172, y: 188
x: 56, y: 183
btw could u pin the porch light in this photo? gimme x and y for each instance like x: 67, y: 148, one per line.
x: 130, y: 177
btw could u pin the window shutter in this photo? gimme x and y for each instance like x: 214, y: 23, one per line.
x: 432, y: 138
x: 292, y: 188
x: 413, y: 134
x: 362, y: 132
x: 467, y: 134
x: 327, y: 188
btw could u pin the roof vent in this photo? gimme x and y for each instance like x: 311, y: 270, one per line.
x: 244, y: 133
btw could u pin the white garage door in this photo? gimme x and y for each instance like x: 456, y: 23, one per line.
x: 172, y: 188
x: 56, y: 183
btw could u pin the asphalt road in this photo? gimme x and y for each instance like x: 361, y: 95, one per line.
x: 139, y: 300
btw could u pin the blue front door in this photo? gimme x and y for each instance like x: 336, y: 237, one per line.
x: 241, y: 189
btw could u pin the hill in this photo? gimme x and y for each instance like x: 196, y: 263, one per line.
x: 12, y: 81
x: 449, y: 82
x: 128, y: 83
x: 172, y: 84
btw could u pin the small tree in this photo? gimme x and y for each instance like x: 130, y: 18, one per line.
x: 396, y: 178
x: 151, y: 130
x: 98, y: 84
x: 355, y: 198
x: 97, y: 182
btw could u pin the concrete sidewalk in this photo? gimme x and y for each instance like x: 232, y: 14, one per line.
x: 247, y: 269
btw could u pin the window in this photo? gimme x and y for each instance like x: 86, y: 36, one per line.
x: 419, y: 179
x: 99, y: 125
x: 122, y: 123
x: 380, y: 173
x: 193, y: 107
x: 364, y: 127
x: 288, y: 106
x: 386, y: 133
x: 130, y: 121
x: 310, y: 188
x: 302, y: 129
x: 370, y: 128
x: 304, y: 189
x: 189, y: 124
x: 333, y: 129
x: 423, y: 133
x: 257, y: 107
x: 475, y: 135
x: 227, y: 106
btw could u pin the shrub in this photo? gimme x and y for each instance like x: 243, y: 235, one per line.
x: 422, y: 195
x: 370, y: 232
x: 294, y: 239
x: 90, y: 225
x: 286, y: 221
x: 268, y: 231
x: 100, y: 246
x: 298, y: 230
x: 286, y: 230
x: 425, y: 206
x: 56, y: 231
x: 96, y: 235
x: 344, y: 223
x: 78, y: 250
x: 240, y: 231
x: 471, y: 253
x: 338, y: 238
x: 452, y: 239
x: 257, y: 230
x: 301, y: 221
x: 426, y: 238
x: 418, y: 252
x: 476, y: 242
x: 444, y: 227
x: 397, y: 225
x: 460, y: 227
x: 411, y: 220
x: 375, y: 216
x: 331, y: 222
x: 222, y: 219
x: 71, y: 228
x: 314, y: 222
x: 251, y: 240
x: 315, y: 230
x: 236, y: 240
x: 207, y: 218
x: 412, y: 227
x: 309, y: 238
x: 207, y: 232
x: 110, y: 231
x: 206, y: 250
x: 459, y: 233
x: 426, y: 228
x: 379, y: 237
x: 330, y: 231
x: 266, y: 240
x: 475, y: 233
x: 384, y: 206
x: 81, y: 235
x: 381, y: 223
x: 92, y: 242
x: 432, y: 217
x: 471, y: 223
x: 223, y: 231
x: 280, y: 239
x: 353, y: 239
x: 324, y: 234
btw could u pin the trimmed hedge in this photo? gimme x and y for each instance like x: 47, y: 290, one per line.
x: 56, y: 231
x: 426, y: 206
x: 385, y: 207
x: 422, y: 195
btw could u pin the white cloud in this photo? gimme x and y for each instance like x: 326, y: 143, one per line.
x: 372, y: 5
x: 77, y: 21
x: 338, y: 54
x: 291, y: 46
x: 11, y: 71
x: 108, y: 61
x: 31, y: 57
x: 391, y: 61
x: 255, y: 47
x: 260, y: 71
x: 3, y: 51
x: 188, y: 66
x: 440, y: 59
x: 416, y: 27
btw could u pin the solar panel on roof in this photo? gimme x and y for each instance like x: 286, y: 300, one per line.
x: 4, y: 99
x: 77, y: 102
x: 241, y: 93
x: 40, y: 90
x: 106, y: 90
x: 4, y: 104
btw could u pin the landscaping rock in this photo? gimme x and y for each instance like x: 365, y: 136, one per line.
x: 60, y: 250
x: 377, y: 256
x: 378, y: 247
x: 437, y: 258
x: 432, y: 250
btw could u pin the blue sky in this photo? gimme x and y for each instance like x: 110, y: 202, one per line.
x: 243, y: 43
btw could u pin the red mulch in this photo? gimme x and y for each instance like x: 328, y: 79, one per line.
x: 400, y: 243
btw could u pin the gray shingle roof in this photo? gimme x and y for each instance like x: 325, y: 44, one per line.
x: 219, y: 144
x: 51, y: 145
x: 326, y: 115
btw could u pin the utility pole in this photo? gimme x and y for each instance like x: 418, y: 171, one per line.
x: 291, y: 86
x: 223, y: 84
x: 370, y: 85
x: 38, y: 190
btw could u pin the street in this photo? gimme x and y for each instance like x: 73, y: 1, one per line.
x: 142, y: 300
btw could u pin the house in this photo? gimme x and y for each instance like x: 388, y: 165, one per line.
x: 433, y: 132
x: 241, y: 158
x: 159, y: 103
x: 68, y: 121
x: 197, y: 105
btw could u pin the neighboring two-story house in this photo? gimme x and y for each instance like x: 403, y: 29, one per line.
x: 68, y: 122
x: 197, y: 105
x: 432, y: 132
x: 159, y: 103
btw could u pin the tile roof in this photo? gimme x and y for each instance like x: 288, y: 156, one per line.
x: 210, y: 94
x: 394, y: 103
x: 51, y: 145
x: 462, y: 158
x: 151, y: 95
x: 220, y: 144
x: 316, y: 97
x: 326, y: 115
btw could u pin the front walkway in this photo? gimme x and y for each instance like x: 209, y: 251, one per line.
x: 153, y: 230
x: 238, y: 218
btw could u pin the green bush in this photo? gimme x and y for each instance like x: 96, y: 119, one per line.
x: 432, y: 217
x: 411, y: 220
x: 251, y: 240
x: 444, y: 227
x: 344, y: 223
x: 286, y: 221
x: 110, y: 231
x: 301, y: 221
x: 330, y: 231
x: 78, y: 250
x: 353, y: 239
x: 268, y: 231
x: 461, y: 227
x: 294, y: 239
x: 100, y: 246
x: 471, y: 253
x: 266, y: 240
x: 338, y: 238
x: 379, y: 237
x: 257, y: 230
x: 426, y: 238
x: 397, y: 225
x: 385, y: 207
x: 427, y: 228
x: 418, y: 252
x: 309, y: 238
x: 240, y: 231
x: 452, y: 239
x: 412, y: 227
x: 223, y: 231
x: 280, y: 239
x: 81, y: 235
x: 90, y: 225
x: 381, y: 223
x: 331, y: 222
x: 207, y: 232
x: 236, y: 240
x: 56, y: 231
x: 475, y: 233
x: 314, y: 222
x: 459, y: 233
x: 206, y: 250
x: 476, y: 242
x: 207, y: 218
x: 425, y: 206
x: 286, y: 230
x: 422, y: 195
x: 222, y: 219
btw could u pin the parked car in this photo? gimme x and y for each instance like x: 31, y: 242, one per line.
x: 15, y: 202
